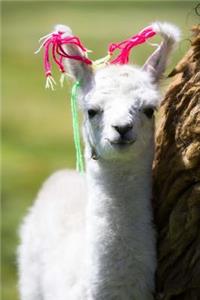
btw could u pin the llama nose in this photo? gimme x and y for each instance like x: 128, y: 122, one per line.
x: 123, y: 129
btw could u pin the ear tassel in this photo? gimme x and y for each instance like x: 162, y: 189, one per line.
x: 126, y: 46
x: 53, y: 44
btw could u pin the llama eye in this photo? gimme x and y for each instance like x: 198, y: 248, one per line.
x: 92, y: 113
x: 148, y: 111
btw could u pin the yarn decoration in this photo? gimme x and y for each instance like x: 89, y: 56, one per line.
x: 53, y: 44
x: 75, y: 121
x: 127, y: 45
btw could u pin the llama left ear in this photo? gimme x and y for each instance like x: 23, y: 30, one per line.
x: 157, y: 62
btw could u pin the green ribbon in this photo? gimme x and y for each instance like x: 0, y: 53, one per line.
x: 75, y: 121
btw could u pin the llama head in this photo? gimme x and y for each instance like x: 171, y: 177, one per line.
x: 118, y: 101
x: 119, y: 112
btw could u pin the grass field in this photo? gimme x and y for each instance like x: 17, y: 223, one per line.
x: 37, y: 133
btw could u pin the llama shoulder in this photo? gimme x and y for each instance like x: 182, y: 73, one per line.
x: 59, y: 206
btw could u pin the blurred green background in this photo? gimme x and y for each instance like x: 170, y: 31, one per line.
x: 37, y: 131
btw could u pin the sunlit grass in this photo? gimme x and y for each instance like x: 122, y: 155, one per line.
x: 37, y: 131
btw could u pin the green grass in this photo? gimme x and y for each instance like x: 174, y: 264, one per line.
x: 37, y: 131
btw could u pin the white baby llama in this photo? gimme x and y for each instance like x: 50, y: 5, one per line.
x: 92, y: 236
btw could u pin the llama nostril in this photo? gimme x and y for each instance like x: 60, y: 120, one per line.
x: 123, y: 129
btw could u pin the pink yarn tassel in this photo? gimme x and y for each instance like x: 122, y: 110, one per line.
x: 127, y: 45
x: 53, y: 44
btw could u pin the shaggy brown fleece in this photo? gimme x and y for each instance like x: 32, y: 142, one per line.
x: 177, y: 182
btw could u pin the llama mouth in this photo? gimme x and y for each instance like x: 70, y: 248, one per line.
x: 121, y: 143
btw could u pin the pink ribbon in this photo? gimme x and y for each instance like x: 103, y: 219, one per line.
x: 127, y: 45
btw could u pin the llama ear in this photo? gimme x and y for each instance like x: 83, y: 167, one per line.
x: 78, y: 66
x: 157, y: 62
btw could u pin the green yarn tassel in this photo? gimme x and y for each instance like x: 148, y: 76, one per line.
x: 77, y: 141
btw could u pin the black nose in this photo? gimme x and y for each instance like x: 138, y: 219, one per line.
x: 123, y: 129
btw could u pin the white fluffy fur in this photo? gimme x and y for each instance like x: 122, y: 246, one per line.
x: 91, y: 237
x: 167, y: 30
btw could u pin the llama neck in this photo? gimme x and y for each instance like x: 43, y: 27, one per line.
x: 118, y: 224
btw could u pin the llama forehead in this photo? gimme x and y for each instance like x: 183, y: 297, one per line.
x: 118, y: 85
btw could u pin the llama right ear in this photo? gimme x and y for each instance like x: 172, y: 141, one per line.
x: 79, y: 67
x: 157, y: 62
